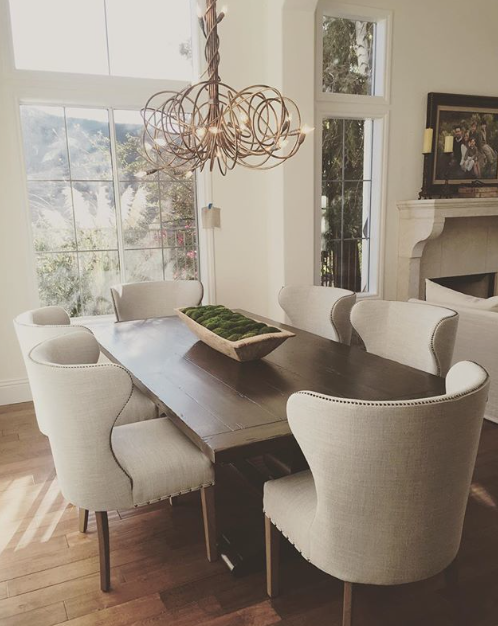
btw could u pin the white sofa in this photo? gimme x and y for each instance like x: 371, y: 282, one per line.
x: 477, y: 340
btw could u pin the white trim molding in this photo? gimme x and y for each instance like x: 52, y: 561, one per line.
x: 14, y: 391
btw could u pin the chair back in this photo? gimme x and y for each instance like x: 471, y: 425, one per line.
x: 323, y: 311
x: 140, y: 301
x: 392, y: 479
x: 80, y: 401
x: 33, y: 327
x: 419, y: 335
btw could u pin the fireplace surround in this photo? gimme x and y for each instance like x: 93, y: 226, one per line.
x: 453, y: 241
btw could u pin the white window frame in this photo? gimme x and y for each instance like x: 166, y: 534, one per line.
x: 350, y: 106
x: 80, y: 90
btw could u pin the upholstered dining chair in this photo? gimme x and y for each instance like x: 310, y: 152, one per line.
x: 384, y: 500
x: 419, y: 335
x: 102, y: 466
x: 34, y: 327
x: 324, y: 311
x: 140, y: 301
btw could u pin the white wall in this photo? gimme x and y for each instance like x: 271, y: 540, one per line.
x: 266, y: 238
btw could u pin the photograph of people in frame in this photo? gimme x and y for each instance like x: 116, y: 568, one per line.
x: 475, y: 145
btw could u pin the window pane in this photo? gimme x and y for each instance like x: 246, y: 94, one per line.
x: 58, y: 282
x: 180, y: 257
x: 143, y: 265
x: 99, y: 271
x: 45, y: 146
x: 140, y: 215
x: 129, y: 128
x: 161, y: 34
x: 345, y: 207
x: 95, y: 216
x: 89, y: 144
x: 348, y: 50
x: 59, y: 35
x: 332, y: 149
x: 178, y: 199
x: 51, y: 216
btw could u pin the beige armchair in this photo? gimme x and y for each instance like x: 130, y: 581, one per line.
x: 323, y: 311
x: 417, y: 335
x: 101, y: 466
x: 140, y: 301
x: 384, y: 500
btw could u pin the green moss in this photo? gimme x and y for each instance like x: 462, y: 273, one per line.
x: 226, y: 323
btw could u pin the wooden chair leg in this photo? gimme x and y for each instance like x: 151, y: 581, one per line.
x: 272, y: 535
x: 347, y: 608
x: 83, y: 520
x: 209, y: 517
x: 104, y: 551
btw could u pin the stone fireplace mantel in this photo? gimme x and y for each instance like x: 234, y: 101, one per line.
x: 421, y: 221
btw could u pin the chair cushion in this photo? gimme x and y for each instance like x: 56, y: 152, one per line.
x: 138, y: 409
x: 160, y: 460
x: 290, y: 503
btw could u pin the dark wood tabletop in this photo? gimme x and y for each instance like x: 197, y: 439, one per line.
x: 234, y: 410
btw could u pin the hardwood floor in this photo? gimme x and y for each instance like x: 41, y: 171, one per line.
x: 49, y: 571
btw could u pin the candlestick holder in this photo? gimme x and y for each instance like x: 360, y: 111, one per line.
x: 446, y: 190
x: 424, y: 192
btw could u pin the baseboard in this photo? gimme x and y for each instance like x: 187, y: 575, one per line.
x: 14, y: 391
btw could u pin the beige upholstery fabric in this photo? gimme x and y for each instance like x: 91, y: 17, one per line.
x: 140, y: 301
x: 82, y: 403
x: 392, y: 480
x: 417, y: 335
x: 437, y: 294
x: 161, y: 460
x: 324, y: 311
x: 477, y: 340
x: 34, y: 327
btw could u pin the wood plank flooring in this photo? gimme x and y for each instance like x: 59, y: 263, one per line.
x: 160, y: 575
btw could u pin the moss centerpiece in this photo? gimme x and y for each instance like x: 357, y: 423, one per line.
x: 234, y: 334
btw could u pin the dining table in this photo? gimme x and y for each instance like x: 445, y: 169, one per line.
x: 235, y: 411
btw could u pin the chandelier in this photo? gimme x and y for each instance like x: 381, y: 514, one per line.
x: 211, y: 123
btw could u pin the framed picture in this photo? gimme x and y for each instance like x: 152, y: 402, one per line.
x: 472, y: 121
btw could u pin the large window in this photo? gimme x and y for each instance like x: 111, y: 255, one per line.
x: 94, y: 221
x: 352, y: 105
x: 138, y: 38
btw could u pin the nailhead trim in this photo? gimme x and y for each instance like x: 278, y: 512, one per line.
x: 433, y: 337
x: 289, y: 540
x: 332, y: 310
x: 174, y: 495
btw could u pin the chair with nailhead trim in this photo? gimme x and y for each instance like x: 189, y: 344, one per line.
x: 385, y: 497
x: 33, y: 327
x: 323, y: 311
x: 101, y: 466
x: 419, y: 335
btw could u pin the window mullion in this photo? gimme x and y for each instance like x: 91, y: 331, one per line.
x: 117, y: 196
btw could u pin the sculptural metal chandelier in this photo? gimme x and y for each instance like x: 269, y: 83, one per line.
x: 211, y: 123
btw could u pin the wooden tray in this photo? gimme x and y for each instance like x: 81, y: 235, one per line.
x: 249, y: 349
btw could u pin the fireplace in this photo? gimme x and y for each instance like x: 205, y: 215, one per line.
x: 477, y: 285
x: 453, y: 242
